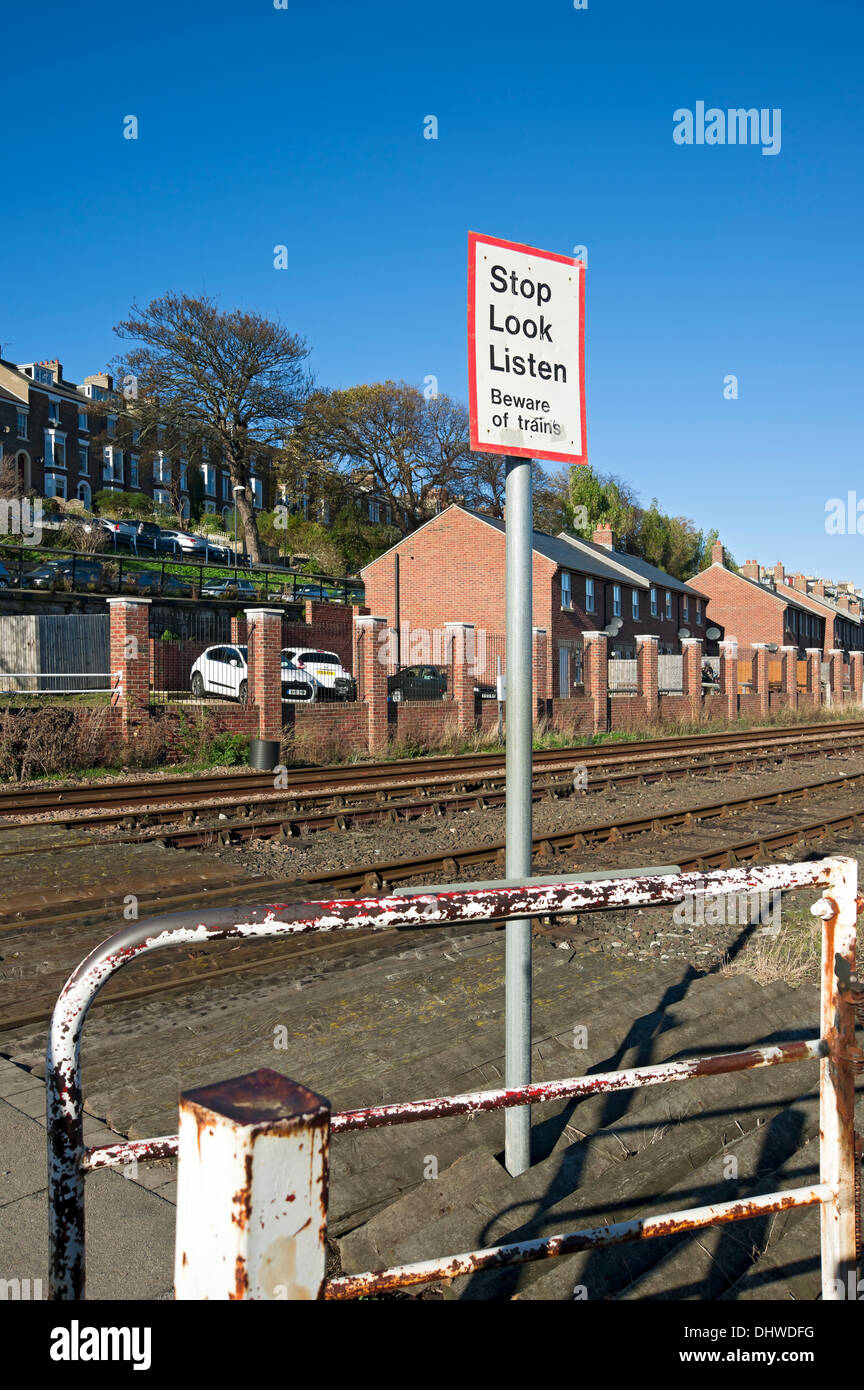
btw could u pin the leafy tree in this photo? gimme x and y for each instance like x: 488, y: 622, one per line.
x: 389, y: 439
x: 672, y: 543
x: 234, y: 381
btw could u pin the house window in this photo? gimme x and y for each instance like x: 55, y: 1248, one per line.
x: 112, y: 464
x: 686, y: 609
x: 112, y: 426
x: 226, y: 487
x: 653, y: 602
x: 162, y: 468
x: 22, y: 424
x: 205, y: 450
x: 136, y: 436
x: 589, y: 596
x: 566, y: 595
x: 83, y: 491
x: 634, y: 599
x: 160, y: 433
x: 257, y: 492
x: 668, y: 604
x: 161, y: 497
x: 82, y: 422
x: 616, y: 600
x: 184, y: 472
x: 83, y: 459
x: 210, y: 508
x: 44, y: 375
x: 55, y: 451
x: 54, y: 412
x: 55, y: 485
x: 133, y: 470
x: 209, y: 473
x: 698, y: 612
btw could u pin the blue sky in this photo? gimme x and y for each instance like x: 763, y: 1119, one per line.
x: 304, y: 127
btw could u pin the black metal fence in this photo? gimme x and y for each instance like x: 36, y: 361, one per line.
x: 34, y: 569
x: 206, y: 659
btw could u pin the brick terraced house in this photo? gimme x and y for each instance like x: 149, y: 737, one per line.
x: 762, y: 606
x: 64, y: 447
x: 452, y: 570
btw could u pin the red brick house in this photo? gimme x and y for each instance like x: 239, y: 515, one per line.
x: 752, y: 610
x: 63, y: 446
x: 452, y: 570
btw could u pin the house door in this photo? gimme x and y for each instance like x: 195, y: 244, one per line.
x: 564, y: 672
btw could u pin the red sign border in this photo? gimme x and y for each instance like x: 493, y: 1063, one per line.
x: 473, y: 239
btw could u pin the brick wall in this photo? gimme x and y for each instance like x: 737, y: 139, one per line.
x: 327, y: 731
x: 576, y: 714
x: 425, y: 720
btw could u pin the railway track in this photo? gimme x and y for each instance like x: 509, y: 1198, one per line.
x: 193, y: 972
x: 287, y: 819
x: 308, y: 785
x: 374, y: 876
x: 69, y: 932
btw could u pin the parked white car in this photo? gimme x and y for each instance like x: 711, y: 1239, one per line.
x: 224, y: 672
x: 336, y: 683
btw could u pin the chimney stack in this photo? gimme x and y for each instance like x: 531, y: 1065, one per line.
x: 779, y: 573
x: 718, y: 554
x: 751, y: 570
x: 100, y: 379
x: 604, y: 535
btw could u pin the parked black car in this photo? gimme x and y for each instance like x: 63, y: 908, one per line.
x: 417, y: 683
x: 151, y: 537
x: 154, y: 582
x: 59, y: 571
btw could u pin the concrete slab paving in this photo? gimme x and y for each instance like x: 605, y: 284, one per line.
x: 130, y: 1225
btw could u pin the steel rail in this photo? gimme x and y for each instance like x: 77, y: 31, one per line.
x: 338, y: 780
x: 292, y: 819
x: 546, y: 846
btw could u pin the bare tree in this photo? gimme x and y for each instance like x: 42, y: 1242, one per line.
x: 233, y: 381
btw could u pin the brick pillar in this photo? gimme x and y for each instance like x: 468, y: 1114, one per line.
x: 760, y: 675
x: 596, y: 672
x: 835, y: 656
x: 461, y: 635
x: 790, y: 675
x: 238, y: 628
x: 264, y: 626
x: 372, y: 671
x: 646, y: 675
x: 692, y: 671
x: 129, y: 625
x: 540, y: 672
x: 729, y: 679
x: 814, y: 674
x: 856, y: 672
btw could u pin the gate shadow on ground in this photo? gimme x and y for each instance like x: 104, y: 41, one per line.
x: 503, y: 1284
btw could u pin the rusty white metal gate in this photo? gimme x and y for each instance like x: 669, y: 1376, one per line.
x: 235, y: 1136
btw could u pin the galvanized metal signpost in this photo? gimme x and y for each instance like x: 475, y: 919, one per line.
x: 527, y: 401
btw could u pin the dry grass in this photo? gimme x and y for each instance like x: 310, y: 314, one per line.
x: 793, y: 955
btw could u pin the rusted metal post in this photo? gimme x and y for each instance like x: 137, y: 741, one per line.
x: 252, y: 1190
x: 838, y: 910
